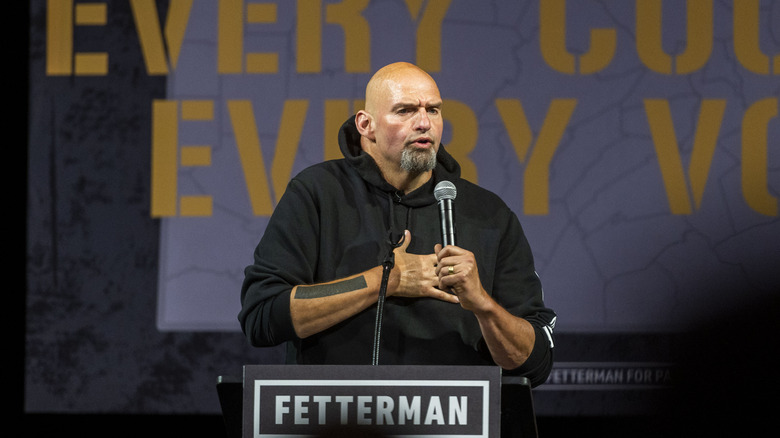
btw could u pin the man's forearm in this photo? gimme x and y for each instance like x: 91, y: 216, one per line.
x: 314, y: 308
x: 509, y: 338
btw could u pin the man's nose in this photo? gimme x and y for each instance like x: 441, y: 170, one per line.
x: 422, y: 122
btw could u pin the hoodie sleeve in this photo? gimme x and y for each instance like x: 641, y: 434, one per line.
x: 518, y: 288
x: 285, y: 257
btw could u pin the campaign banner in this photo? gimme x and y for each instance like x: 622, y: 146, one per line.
x: 636, y: 140
x: 403, y: 401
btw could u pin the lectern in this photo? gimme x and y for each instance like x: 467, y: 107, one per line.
x: 389, y: 401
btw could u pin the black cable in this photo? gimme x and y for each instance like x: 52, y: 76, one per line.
x: 387, y: 266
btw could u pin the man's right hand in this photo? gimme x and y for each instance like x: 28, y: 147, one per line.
x: 414, y: 275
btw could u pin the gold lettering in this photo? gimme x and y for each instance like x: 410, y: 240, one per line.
x: 649, y: 36
x: 552, y: 41
x: 357, y: 36
x: 250, y: 152
x: 147, y: 22
x: 429, y: 32
x: 665, y: 140
x: 166, y: 159
x: 196, y: 110
x: 252, y: 162
x: 194, y: 205
x: 536, y: 180
x: 262, y: 62
x: 61, y: 17
x: 755, y: 159
x: 230, y: 35
x: 336, y: 112
x: 230, y: 38
x: 59, y: 37
x: 308, y: 32
x: 196, y: 156
x: 287, y: 143
x: 91, y: 64
x: 465, y: 131
x: 746, y: 38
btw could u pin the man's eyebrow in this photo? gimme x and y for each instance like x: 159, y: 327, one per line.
x: 400, y: 105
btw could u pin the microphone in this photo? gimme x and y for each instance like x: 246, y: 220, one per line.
x: 445, y: 192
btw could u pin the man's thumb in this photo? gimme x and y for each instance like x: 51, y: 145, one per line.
x: 405, y: 240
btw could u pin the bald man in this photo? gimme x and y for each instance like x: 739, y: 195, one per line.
x: 347, y: 229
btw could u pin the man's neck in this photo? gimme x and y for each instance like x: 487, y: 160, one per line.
x: 407, y: 182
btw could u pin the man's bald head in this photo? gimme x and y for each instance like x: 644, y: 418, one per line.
x: 387, y: 78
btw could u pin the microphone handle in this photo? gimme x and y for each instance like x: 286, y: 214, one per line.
x: 447, y: 218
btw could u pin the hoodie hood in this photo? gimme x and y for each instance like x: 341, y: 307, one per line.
x: 349, y: 143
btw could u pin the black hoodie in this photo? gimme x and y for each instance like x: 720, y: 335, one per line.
x: 339, y: 218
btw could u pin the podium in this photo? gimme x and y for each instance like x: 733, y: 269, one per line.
x: 376, y: 401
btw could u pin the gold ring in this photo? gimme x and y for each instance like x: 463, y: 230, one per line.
x: 450, y: 270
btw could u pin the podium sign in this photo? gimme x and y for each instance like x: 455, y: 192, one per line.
x: 399, y: 401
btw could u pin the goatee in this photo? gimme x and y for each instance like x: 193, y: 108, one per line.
x: 418, y: 161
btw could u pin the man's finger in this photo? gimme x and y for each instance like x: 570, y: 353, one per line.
x: 405, y: 240
x: 444, y: 296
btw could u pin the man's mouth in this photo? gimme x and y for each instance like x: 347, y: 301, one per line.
x: 422, y: 142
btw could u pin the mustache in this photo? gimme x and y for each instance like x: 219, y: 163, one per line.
x: 424, y: 139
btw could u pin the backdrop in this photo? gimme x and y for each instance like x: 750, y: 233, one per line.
x: 636, y: 140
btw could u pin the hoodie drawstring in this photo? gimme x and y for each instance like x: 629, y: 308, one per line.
x: 387, y: 265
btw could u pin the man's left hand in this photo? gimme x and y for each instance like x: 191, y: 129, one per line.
x: 458, y: 274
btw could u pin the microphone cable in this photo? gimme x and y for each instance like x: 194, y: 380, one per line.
x: 387, y: 266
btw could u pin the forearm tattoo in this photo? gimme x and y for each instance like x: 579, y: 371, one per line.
x: 326, y: 290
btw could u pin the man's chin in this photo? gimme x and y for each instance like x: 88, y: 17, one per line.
x: 418, y: 160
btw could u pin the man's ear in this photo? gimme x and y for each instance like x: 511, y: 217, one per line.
x: 365, y: 124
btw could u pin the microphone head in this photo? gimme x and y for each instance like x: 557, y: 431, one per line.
x: 444, y: 190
